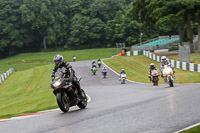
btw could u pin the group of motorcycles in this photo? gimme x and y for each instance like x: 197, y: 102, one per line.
x: 94, y: 69
x: 167, y: 74
x: 62, y: 87
x: 122, y: 77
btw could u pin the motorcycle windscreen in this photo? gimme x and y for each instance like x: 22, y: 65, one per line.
x: 58, y: 74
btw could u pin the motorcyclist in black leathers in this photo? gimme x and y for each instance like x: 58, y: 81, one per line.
x: 69, y: 73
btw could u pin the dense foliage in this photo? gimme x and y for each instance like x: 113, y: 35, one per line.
x: 33, y: 25
x: 183, y: 14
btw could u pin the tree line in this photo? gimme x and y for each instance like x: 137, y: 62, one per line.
x: 183, y: 14
x: 34, y: 25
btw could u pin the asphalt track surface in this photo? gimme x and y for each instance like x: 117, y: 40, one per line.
x: 118, y: 108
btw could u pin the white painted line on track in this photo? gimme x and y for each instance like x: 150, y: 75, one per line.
x: 37, y: 113
x: 187, y: 128
x: 119, y: 75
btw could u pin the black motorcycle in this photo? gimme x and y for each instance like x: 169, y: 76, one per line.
x: 61, y: 88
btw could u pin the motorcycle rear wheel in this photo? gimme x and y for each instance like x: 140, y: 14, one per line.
x: 63, y: 101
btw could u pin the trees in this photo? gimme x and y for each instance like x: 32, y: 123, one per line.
x: 167, y: 12
x: 12, y: 32
x: 46, y: 17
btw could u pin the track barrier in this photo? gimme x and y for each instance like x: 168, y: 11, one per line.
x: 6, y: 75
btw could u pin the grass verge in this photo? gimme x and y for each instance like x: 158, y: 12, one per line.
x: 192, y: 130
x: 26, y: 92
x: 30, y: 60
x: 137, y: 67
x: 194, y: 57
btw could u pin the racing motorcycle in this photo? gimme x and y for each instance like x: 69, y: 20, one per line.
x: 155, y: 77
x: 99, y: 63
x: 168, y: 75
x: 61, y: 89
x: 94, y: 70
x: 123, y: 78
x: 104, y: 72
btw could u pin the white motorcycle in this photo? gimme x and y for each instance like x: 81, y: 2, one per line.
x: 168, y: 75
x: 123, y: 78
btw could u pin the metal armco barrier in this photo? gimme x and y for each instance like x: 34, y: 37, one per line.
x: 6, y: 74
x: 177, y: 64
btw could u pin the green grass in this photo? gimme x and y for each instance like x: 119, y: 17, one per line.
x: 30, y: 60
x: 194, y: 58
x: 26, y: 92
x: 137, y: 69
x: 193, y: 130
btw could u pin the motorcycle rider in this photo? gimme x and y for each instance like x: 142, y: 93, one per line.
x: 104, y: 69
x: 69, y: 74
x: 165, y: 61
x: 94, y: 64
x: 151, y: 68
x: 122, y: 72
x: 98, y: 60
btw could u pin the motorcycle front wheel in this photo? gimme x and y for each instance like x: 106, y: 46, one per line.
x: 155, y: 81
x: 171, y: 84
x: 83, y: 103
x: 63, y: 101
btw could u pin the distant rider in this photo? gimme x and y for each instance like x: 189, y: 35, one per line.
x: 151, y: 68
x: 122, y: 72
x: 104, y: 69
x: 94, y: 64
x: 165, y: 61
x: 98, y: 60
x: 60, y: 65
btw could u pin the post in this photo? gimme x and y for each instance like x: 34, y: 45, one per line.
x: 141, y: 34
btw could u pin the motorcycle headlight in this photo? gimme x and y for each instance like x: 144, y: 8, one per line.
x: 168, y: 71
x: 57, y: 83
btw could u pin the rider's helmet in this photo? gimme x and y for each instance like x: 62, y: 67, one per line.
x: 123, y: 70
x: 104, y: 67
x: 58, y: 60
x: 164, y: 59
x: 152, y: 66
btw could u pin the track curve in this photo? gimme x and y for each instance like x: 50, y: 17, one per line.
x: 117, y: 108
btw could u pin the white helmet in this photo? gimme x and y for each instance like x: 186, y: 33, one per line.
x: 58, y: 60
x: 122, y: 69
x: 163, y: 58
x: 152, y: 64
x: 104, y: 66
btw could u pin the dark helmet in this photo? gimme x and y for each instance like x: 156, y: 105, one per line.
x: 58, y: 60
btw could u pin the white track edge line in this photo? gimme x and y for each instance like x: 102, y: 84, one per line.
x: 188, y: 128
x: 29, y: 116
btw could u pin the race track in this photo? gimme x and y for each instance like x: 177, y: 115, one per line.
x: 117, y: 108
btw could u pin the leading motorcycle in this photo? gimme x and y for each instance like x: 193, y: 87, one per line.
x: 168, y: 75
x: 61, y: 89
